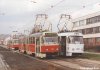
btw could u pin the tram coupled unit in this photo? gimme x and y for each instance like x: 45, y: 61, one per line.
x: 46, y: 44
x: 14, y: 44
x: 29, y: 45
x: 71, y: 43
x: 42, y: 44
x: 22, y: 44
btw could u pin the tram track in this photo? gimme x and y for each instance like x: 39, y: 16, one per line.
x: 20, y: 61
x: 49, y: 62
x: 71, y: 63
x: 83, y: 63
x: 57, y: 62
x: 66, y: 63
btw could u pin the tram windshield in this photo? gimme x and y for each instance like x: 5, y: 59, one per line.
x: 76, y: 39
x: 16, y: 41
x: 51, y: 40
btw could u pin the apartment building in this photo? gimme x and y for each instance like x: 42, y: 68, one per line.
x: 89, y: 26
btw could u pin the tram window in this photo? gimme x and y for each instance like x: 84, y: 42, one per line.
x: 27, y: 41
x: 42, y: 40
x: 37, y: 41
x: 33, y: 40
x: 30, y: 40
x: 50, y: 39
x: 76, y: 39
x: 19, y: 41
x: 16, y: 41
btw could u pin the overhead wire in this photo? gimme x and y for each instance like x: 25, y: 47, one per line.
x: 52, y: 6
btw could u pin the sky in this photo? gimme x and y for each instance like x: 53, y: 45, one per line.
x: 20, y: 15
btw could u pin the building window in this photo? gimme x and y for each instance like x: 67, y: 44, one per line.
x: 76, y: 24
x: 81, y: 22
x: 96, y: 29
x: 98, y: 19
x: 93, y: 20
x: 89, y: 31
x: 97, y: 39
x: 83, y: 31
x: 88, y: 21
x: 80, y: 31
x: 90, y: 40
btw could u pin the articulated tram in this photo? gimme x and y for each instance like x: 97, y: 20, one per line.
x: 15, y: 44
x: 71, y: 43
x: 44, y: 44
x: 41, y: 45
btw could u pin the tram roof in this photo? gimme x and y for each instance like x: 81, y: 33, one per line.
x: 40, y: 33
x: 70, y: 34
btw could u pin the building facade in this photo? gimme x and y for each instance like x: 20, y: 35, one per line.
x: 89, y: 26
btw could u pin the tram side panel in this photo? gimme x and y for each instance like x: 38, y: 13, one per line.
x: 50, y: 49
x: 31, y: 49
x: 31, y: 46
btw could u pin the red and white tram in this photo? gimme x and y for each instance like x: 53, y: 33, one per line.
x: 14, y: 44
x: 41, y: 44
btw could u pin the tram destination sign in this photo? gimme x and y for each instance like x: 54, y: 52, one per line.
x: 50, y: 34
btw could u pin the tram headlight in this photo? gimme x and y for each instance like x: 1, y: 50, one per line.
x: 57, y: 49
x: 46, y: 49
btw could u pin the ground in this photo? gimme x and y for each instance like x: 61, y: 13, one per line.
x: 18, y: 61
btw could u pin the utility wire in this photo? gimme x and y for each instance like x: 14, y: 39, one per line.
x: 52, y: 6
x: 57, y: 3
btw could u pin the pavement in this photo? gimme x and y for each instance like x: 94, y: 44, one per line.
x: 4, y: 46
x: 3, y: 64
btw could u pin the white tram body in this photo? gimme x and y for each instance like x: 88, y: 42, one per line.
x: 71, y: 43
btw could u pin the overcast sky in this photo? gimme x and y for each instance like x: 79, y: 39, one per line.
x: 20, y: 14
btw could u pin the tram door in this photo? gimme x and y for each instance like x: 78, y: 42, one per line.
x: 63, y: 46
x: 24, y: 46
x: 37, y: 45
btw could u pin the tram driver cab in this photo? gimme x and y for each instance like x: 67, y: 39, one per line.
x: 71, y: 43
